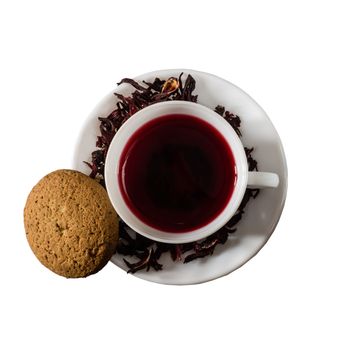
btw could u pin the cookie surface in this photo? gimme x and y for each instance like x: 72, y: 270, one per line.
x: 70, y: 223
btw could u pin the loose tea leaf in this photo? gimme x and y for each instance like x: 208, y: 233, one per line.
x: 146, y: 251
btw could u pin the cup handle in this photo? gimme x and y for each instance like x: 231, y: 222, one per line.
x: 260, y: 179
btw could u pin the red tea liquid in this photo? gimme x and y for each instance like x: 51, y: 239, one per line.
x: 177, y: 173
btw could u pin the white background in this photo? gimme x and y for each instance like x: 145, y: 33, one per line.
x: 59, y: 58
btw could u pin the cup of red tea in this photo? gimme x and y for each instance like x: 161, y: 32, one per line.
x: 176, y: 172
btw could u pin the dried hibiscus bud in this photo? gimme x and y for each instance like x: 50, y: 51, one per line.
x: 171, y: 85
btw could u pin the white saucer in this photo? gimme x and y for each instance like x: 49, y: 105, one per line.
x: 262, y: 214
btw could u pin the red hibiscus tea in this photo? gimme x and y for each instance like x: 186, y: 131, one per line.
x: 177, y: 173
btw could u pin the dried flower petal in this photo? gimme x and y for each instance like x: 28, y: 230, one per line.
x: 143, y: 263
x: 146, y: 261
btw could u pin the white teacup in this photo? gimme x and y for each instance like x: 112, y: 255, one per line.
x: 244, y: 178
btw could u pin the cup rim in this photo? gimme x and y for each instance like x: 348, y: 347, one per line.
x: 156, y: 111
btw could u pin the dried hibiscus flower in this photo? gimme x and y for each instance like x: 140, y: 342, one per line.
x: 148, y: 252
